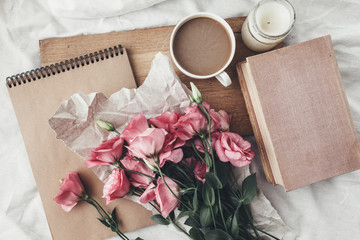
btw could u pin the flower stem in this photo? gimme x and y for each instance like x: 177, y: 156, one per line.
x: 208, y: 146
x: 251, y: 223
x: 177, y: 226
x: 184, y: 173
x: 197, y: 152
x: 140, y: 173
x: 221, y: 211
x: 180, y: 228
x: 210, y: 139
x: 107, y: 217
x: 117, y: 132
x: 162, y: 176
x: 177, y: 181
x: 97, y: 209
x: 120, y: 235
x: 156, y: 207
x: 213, y: 217
x: 267, y: 233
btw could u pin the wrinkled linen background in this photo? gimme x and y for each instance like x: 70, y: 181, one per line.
x: 326, y: 210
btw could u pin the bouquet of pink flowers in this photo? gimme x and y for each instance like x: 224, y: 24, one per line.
x: 177, y: 161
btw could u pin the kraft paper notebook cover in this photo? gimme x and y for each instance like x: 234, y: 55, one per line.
x: 300, y: 114
x: 36, y: 95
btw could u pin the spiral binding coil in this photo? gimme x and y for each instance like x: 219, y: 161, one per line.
x: 63, y: 66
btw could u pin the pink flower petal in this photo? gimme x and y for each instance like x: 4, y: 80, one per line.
x: 175, y: 156
x: 148, y: 195
x: 220, y: 151
x: 116, y: 186
x: 233, y: 155
x: 167, y: 201
x: 137, y: 125
x: 71, y: 190
x: 239, y: 164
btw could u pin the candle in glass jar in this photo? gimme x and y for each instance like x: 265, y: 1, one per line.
x: 268, y: 24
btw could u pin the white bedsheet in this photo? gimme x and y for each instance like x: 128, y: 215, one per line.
x: 326, y: 210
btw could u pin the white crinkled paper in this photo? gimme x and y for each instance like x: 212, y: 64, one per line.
x: 74, y: 123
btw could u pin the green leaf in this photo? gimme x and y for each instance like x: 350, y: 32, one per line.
x: 213, y: 180
x: 249, y: 188
x: 215, y: 209
x: 229, y: 221
x: 195, y: 200
x: 208, y: 195
x: 104, y: 222
x: 205, y: 216
x: 235, y: 224
x: 183, y: 214
x: 160, y: 220
x: 172, y: 215
x: 222, y: 170
x: 114, y: 228
x: 193, y: 222
x: 113, y: 213
x: 196, y: 234
x: 208, y: 160
x: 217, y: 235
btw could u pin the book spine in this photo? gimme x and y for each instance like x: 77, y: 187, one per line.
x: 63, y: 66
x: 264, y: 159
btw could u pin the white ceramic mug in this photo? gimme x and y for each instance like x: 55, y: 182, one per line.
x: 220, y: 75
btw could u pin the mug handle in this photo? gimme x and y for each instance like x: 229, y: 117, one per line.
x: 223, y: 78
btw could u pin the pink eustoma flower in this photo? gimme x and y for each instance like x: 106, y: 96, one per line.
x: 231, y: 147
x: 221, y: 120
x: 171, y: 150
x: 137, y: 125
x: 199, y: 168
x: 106, y: 153
x: 164, y: 197
x: 71, y: 191
x: 174, y: 155
x: 193, y: 122
x: 166, y: 120
x: 117, y: 186
x: 136, y: 179
x: 148, y: 143
x: 199, y: 145
x: 148, y: 195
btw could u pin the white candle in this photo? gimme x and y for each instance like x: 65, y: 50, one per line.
x: 268, y: 24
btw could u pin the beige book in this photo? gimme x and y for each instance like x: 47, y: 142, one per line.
x: 36, y: 95
x: 300, y: 114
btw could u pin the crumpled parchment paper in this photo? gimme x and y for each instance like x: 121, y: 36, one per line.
x: 74, y: 123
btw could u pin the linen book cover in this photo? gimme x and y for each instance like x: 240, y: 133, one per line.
x: 300, y: 114
x: 36, y: 95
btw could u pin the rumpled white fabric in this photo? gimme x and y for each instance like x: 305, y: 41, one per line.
x: 162, y: 91
x: 97, y: 8
x: 326, y: 210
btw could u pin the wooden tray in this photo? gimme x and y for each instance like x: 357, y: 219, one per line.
x: 142, y: 45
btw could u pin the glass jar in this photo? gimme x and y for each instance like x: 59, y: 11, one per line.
x: 268, y: 24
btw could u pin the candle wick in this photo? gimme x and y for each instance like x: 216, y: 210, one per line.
x: 268, y: 22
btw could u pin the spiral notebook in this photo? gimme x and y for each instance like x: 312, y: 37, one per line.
x: 35, y: 96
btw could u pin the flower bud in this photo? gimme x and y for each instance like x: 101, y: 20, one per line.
x: 105, y: 125
x: 192, y: 99
x: 150, y: 165
x: 196, y: 95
